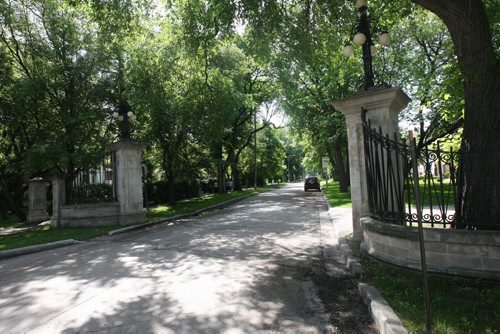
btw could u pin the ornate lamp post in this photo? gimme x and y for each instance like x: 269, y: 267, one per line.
x: 363, y: 37
x: 124, y: 116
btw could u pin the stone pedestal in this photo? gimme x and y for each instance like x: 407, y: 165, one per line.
x: 37, y: 200
x: 127, y: 180
x: 383, y: 107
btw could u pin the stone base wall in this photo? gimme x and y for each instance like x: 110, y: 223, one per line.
x: 94, y: 214
x: 448, y: 251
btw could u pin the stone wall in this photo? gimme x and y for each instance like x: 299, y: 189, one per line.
x: 127, y: 182
x: 93, y: 214
x: 457, y: 252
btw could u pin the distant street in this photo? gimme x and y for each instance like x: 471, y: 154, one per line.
x: 258, y: 266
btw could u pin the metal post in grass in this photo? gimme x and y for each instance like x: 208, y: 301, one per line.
x: 428, y: 316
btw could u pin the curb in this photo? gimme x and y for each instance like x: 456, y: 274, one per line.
x: 184, y: 215
x: 352, y: 263
x: 37, y: 248
x: 386, y: 320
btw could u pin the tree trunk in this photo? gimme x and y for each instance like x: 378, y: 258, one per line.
x: 339, y: 161
x: 468, y: 26
x: 169, y: 174
x: 171, y: 189
x: 221, y: 177
x: 69, y: 178
x: 221, y: 170
x: 236, y: 175
x: 331, y: 157
x: 232, y: 160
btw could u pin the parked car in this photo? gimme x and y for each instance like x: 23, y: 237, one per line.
x: 312, y: 182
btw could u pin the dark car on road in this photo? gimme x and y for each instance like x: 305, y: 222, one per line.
x: 311, y: 182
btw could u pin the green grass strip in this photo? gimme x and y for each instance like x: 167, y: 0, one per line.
x: 335, y: 197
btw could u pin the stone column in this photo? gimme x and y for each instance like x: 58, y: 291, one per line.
x: 58, y: 199
x: 37, y: 200
x: 127, y: 180
x: 383, y: 107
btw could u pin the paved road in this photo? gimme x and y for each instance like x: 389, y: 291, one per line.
x: 258, y: 266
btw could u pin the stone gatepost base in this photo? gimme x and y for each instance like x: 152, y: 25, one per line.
x: 127, y: 180
x: 37, y: 200
x: 382, y: 107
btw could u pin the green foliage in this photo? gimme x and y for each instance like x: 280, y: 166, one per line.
x: 158, y: 191
x: 270, y: 158
x: 56, y: 96
x: 196, y: 73
x: 7, y: 220
x: 426, y: 67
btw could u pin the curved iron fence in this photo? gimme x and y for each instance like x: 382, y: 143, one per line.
x: 391, y: 186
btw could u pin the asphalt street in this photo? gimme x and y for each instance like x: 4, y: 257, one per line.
x: 263, y: 265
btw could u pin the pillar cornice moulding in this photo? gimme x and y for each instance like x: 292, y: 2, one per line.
x: 392, y: 99
x: 125, y: 144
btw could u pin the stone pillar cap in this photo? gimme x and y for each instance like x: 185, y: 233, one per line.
x: 38, y: 179
x: 125, y: 144
x: 378, y: 98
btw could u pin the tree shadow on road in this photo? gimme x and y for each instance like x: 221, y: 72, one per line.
x: 256, y: 266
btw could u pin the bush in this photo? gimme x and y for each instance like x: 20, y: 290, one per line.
x: 158, y: 191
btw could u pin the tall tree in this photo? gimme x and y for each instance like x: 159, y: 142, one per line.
x: 470, y: 29
x: 163, y: 86
x: 58, y: 59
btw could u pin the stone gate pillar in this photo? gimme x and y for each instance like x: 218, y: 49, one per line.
x: 58, y: 199
x: 383, y: 107
x: 37, y: 200
x: 127, y: 180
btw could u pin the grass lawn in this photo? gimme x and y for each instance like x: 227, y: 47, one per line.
x: 334, y: 196
x: 47, y: 234
x: 458, y: 305
x: 437, y: 193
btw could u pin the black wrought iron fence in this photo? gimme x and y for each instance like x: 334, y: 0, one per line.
x: 438, y: 188
x: 385, y: 159
x: 92, y: 185
x: 391, y: 186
